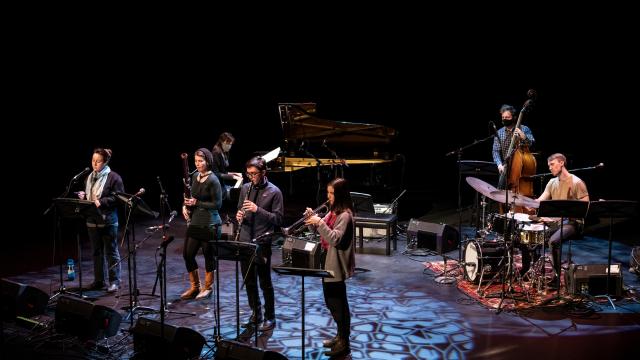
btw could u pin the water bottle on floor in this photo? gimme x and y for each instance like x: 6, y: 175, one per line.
x: 71, y: 271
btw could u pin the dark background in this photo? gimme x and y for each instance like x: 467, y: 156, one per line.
x: 150, y: 103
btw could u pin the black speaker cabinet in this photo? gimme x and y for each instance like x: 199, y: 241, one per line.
x: 301, y: 253
x: 233, y: 350
x: 592, y: 279
x: 439, y: 237
x: 85, y: 319
x: 177, y: 343
x: 18, y: 299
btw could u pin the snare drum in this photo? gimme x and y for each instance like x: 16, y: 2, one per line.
x: 533, y: 234
x: 483, y: 259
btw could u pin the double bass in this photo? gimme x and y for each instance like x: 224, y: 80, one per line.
x: 521, y: 162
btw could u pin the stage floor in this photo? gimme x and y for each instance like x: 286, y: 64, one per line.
x: 398, y: 311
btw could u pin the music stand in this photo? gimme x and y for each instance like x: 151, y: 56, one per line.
x: 302, y: 272
x: 235, y: 251
x: 563, y: 209
x: 78, y: 209
x: 612, y: 209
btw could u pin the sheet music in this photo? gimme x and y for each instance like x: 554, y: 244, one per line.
x: 271, y: 154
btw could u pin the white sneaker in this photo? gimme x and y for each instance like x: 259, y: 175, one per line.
x: 113, y: 288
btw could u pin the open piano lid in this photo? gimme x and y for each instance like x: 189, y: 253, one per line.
x: 299, y: 123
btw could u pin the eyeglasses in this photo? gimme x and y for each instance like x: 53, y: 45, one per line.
x: 252, y: 174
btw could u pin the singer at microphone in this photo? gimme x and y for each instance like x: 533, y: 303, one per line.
x: 100, y: 187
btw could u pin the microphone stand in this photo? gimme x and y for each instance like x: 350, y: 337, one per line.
x: 162, y: 266
x: 341, y: 162
x: 458, y: 152
x: 318, y: 163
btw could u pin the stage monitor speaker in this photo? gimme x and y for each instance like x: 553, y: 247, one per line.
x: 18, y: 299
x: 592, y: 279
x: 439, y: 237
x: 85, y: 319
x: 177, y: 343
x: 233, y: 350
x: 301, y: 253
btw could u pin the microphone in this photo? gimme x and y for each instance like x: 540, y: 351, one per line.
x: 83, y: 172
x: 165, y: 242
x: 262, y: 236
x: 301, y: 146
x: 324, y: 143
x: 599, y: 165
x: 140, y: 192
x: 167, y: 225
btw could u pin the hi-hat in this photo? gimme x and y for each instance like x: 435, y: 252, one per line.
x: 514, y: 198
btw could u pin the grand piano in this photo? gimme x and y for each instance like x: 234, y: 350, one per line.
x: 308, y: 140
x: 323, y: 149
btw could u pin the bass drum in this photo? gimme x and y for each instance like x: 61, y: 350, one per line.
x: 483, y: 259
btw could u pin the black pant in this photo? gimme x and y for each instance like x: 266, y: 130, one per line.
x: 262, y: 271
x: 200, y: 238
x: 335, y: 296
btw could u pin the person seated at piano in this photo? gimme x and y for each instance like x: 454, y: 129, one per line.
x: 260, y: 212
x: 564, y: 186
x: 337, y: 237
x: 221, y: 160
x: 503, y: 136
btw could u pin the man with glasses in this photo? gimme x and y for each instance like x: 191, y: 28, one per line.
x: 260, y: 211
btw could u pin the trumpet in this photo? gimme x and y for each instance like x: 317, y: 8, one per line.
x: 296, y: 226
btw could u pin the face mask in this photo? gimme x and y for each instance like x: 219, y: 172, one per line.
x: 507, y: 122
x: 226, y: 147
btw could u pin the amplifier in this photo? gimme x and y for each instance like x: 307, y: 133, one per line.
x: 301, y: 253
x: 592, y: 279
x: 439, y: 237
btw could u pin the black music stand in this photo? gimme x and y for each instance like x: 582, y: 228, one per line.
x: 77, y: 209
x: 302, y: 272
x: 563, y: 209
x: 235, y: 251
x: 134, y: 206
x: 612, y: 209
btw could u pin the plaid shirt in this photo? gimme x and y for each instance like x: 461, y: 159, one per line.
x: 501, y: 143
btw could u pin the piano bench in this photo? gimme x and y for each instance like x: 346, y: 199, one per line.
x: 378, y: 221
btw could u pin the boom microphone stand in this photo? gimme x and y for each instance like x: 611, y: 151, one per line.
x: 458, y: 152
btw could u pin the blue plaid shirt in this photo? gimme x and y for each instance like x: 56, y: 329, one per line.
x: 501, y: 143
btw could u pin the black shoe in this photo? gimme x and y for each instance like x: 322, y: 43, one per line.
x: 330, y: 343
x: 267, y: 325
x: 340, y: 348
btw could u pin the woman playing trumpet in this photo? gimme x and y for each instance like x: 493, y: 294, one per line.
x: 336, y: 230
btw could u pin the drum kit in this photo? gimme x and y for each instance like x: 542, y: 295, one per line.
x: 489, y: 257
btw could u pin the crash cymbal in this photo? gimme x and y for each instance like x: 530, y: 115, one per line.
x: 514, y: 199
x: 480, y: 186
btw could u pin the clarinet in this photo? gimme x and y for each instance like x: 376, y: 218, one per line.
x: 186, y: 179
x: 246, y: 197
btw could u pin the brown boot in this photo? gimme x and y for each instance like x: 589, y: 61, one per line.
x: 194, y: 278
x: 205, y: 292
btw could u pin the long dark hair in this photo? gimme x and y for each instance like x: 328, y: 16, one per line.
x: 342, y: 196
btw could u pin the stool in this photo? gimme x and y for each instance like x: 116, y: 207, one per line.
x: 378, y: 221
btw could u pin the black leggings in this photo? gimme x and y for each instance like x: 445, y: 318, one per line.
x: 199, y: 238
x: 335, y: 296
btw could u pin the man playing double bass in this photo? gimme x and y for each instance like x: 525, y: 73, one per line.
x: 521, y: 162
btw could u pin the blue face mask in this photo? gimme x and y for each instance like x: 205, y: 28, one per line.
x: 226, y: 147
